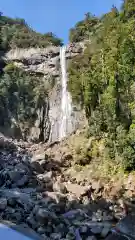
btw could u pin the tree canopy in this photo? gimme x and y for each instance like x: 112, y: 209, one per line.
x: 16, y: 33
x: 102, y: 79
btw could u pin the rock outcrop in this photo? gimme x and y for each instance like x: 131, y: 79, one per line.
x: 45, y: 63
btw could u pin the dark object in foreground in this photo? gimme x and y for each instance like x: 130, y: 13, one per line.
x: 117, y: 237
x: 9, y: 231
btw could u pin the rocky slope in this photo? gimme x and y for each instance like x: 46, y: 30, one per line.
x: 36, y: 196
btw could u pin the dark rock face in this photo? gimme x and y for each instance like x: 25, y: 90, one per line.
x: 41, y: 129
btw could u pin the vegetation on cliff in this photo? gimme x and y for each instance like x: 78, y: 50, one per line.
x: 102, y: 80
x: 22, y: 101
x: 16, y: 33
x: 20, y: 97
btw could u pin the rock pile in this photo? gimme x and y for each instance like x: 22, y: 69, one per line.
x: 35, y: 194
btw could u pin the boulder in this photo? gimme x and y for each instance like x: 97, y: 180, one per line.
x: 41, y: 230
x: 56, y: 236
x: 91, y: 238
x: 105, y: 231
x: 55, y: 196
x: 116, y: 237
x: 48, y: 176
x: 36, y: 166
x: 32, y: 222
x: 15, y: 175
x: 43, y: 215
x: 97, y: 186
x: 38, y: 157
x: 59, y: 187
x: 127, y: 225
x: 76, y: 189
x: 3, y: 203
x: 96, y: 229
x: 23, y: 181
x: 43, y: 164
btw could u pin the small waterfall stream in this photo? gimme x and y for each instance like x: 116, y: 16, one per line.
x: 66, y: 102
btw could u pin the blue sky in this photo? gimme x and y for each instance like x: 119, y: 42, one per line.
x: 56, y: 16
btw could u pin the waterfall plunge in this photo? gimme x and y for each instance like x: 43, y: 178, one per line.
x: 66, y: 103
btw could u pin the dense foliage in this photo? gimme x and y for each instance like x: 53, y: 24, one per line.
x: 84, y: 28
x: 16, y: 33
x: 102, y: 80
x: 20, y: 95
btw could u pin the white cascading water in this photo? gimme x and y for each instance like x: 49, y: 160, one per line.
x: 66, y: 103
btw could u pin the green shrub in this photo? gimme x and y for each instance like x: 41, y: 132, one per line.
x: 16, y: 33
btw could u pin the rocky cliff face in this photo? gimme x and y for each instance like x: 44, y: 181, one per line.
x: 42, y: 61
x: 46, y: 63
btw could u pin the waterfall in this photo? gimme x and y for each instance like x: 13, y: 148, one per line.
x: 66, y: 103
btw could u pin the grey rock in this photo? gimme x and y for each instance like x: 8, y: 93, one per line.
x: 91, y: 238
x: 42, y: 60
x: 127, y: 225
x: 35, y: 209
x: 48, y: 229
x: 3, y: 203
x: 55, y: 236
x: 38, y: 157
x: 97, y: 186
x: 105, y: 231
x: 11, y: 202
x: 61, y: 228
x: 44, y: 236
x: 96, y: 229
x: 36, y: 166
x: 58, y: 208
x: 32, y: 222
x: 18, y: 216
x: 15, y: 175
x: 27, y: 190
x: 116, y: 237
x: 70, y: 236
x: 20, y: 197
x: 10, y: 210
x: 46, y: 177
x: 23, y: 167
x: 55, y: 196
x: 43, y: 215
x: 43, y: 164
x: 41, y: 230
x: 83, y: 229
x: 59, y: 187
x: 76, y: 189
x: 49, y: 186
x: 23, y: 181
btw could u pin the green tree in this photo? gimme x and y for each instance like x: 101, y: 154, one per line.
x: 102, y: 81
